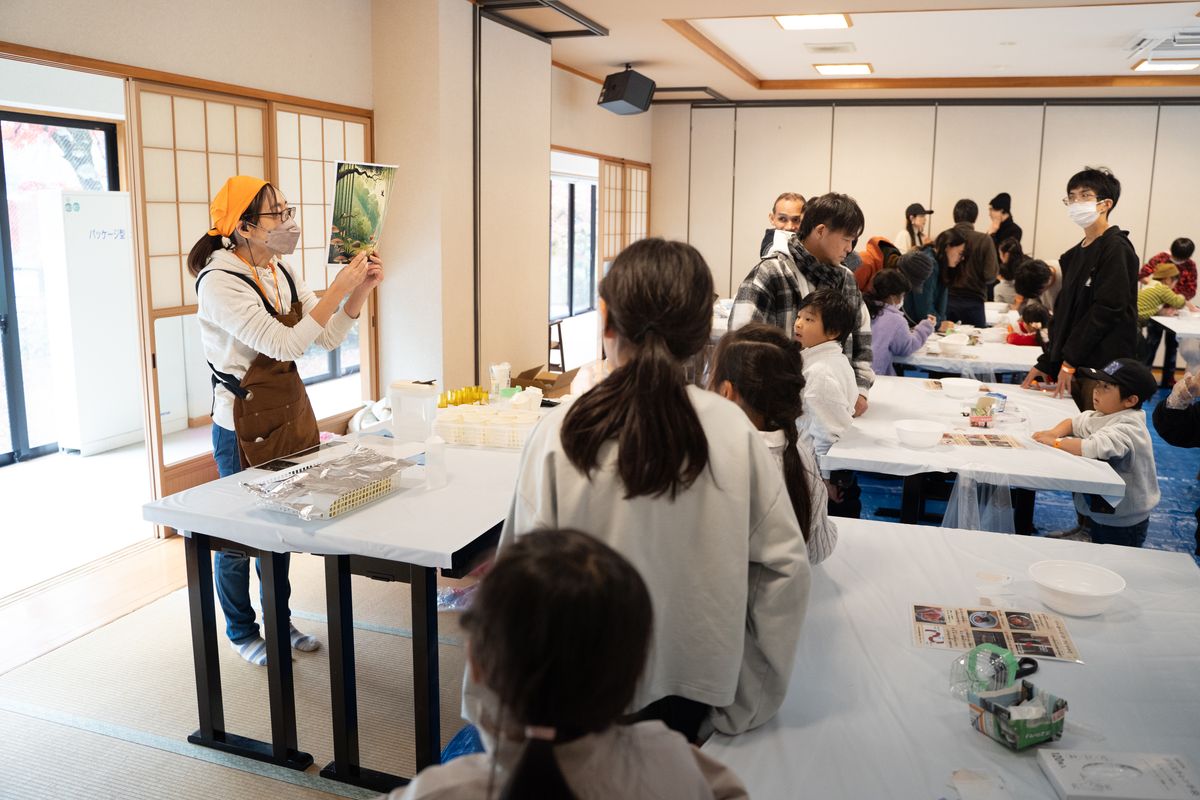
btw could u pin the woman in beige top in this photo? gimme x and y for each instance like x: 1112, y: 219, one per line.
x: 558, y: 636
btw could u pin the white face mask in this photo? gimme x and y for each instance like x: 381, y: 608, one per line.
x: 1083, y: 213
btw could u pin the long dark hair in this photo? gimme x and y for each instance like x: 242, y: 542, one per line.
x: 767, y: 370
x: 951, y: 237
x: 1010, y: 247
x: 886, y: 283
x: 206, y: 245
x: 914, y: 235
x: 559, y: 631
x: 659, y: 300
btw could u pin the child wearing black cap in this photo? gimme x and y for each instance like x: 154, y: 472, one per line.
x: 1115, y: 432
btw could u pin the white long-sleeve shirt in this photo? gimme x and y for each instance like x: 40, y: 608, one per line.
x: 642, y: 760
x: 822, y: 531
x: 235, y: 326
x: 1123, y: 440
x: 724, y: 561
x: 829, y: 396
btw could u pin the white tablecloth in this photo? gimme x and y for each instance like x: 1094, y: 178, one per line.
x: 414, y: 526
x: 1185, y: 326
x: 986, y: 357
x: 868, y: 714
x: 872, y: 445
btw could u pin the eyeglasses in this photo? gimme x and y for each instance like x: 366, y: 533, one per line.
x: 1083, y: 198
x: 284, y: 216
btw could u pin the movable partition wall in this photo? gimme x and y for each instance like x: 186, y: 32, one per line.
x: 731, y: 163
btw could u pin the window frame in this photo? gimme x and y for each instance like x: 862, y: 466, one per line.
x: 573, y: 182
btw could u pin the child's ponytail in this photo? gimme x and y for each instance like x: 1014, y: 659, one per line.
x: 659, y: 300
x: 767, y: 370
x: 537, y: 774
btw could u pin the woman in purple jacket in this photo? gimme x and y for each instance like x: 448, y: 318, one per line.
x: 890, y: 333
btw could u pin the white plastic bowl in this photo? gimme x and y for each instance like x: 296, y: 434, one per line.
x: 997, y: 334
x: 1076, y: 588
x: 961, y: 388
x: 919, y: 432
x: 953, y: 344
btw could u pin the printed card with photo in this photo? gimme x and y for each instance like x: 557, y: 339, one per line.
x: 1025, y: 633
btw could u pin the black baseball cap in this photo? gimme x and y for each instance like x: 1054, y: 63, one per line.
x: 916, y: 209
x: 1128, y: 373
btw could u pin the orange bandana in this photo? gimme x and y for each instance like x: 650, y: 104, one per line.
x: 231, y: 202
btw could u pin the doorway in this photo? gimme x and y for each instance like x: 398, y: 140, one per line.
x: 37, y: 152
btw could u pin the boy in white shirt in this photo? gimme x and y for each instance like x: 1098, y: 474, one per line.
x: 1115, y: 432
x: 826, y: 317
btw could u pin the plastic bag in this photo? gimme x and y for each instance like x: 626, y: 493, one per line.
x: 978, y: 506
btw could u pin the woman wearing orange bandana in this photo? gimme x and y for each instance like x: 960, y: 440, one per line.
x: 256, y: 318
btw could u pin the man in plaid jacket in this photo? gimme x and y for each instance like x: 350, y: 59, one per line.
x: 772, y: 292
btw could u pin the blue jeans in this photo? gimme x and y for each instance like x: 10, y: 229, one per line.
x: 232, y: 572
x: 1128, y: 535
x: 967, y: 310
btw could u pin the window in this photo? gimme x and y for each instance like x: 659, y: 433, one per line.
x: 318, y: 364
x: 572, y: 246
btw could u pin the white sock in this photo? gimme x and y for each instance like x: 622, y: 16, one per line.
x: 303, y: 641
x: 253, y: 650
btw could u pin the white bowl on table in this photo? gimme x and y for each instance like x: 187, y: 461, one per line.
x: 995, y: 335
x: 920, y: 433
x: 953, y: 344
x: 1076, y: 588
x: 961, y: 388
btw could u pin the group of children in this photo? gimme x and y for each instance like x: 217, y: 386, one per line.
x: 654, y: 569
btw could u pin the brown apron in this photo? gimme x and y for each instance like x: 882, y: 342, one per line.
x: 271, y: 412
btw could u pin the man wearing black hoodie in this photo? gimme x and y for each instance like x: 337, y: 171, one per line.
x: 1095, y: 316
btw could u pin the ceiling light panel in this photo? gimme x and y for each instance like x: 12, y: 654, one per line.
x: 1165, y: 66
x: 843, y: 70
x: 813, y: 22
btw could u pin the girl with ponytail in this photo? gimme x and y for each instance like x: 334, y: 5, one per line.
x: 761, y: 370
x: 633, y: 463
x: 557, y: 637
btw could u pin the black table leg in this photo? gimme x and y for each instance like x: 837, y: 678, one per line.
x: 282, y: 749
x: 209, y: 701
x: 910, y: 499
x: 343, y: 685
x: 1023, y: 501
x: 280, y: 685
x: 426, y: 704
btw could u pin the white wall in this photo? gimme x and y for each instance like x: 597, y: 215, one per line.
x: 304, y: 47
x: 576, y: 121
x: 972, y: 160
x: 797, y: 141
x: 1121, y: 138
x: 670, y: 157
x: 60, y: 91
x: 717, y: 170
x: 710, y: 195
x: 883, y: 158
x: 1176, y: 179
x: 515, y: 186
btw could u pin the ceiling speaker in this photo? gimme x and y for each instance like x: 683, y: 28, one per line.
x: 626, y: 92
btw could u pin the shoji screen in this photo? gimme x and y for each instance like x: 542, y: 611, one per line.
x: 612, y: 210
x: 1118, y: 137
x: 979, y: 152
x: 1176, y: 178
x: 883, y: 158
x: 189, y: 144
x: 637, y: 203
x: 307, y: 143
x: 778, y: 150
x: 711, y: 192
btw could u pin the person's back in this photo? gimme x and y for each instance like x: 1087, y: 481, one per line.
x: 557, y: 638
x: 676, y: 480
x: 761, y: 370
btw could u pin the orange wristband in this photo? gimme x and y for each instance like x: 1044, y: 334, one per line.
x: 1058, y: 443
x: 1066, y: 369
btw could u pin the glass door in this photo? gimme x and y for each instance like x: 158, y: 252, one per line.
x: 37, y: 152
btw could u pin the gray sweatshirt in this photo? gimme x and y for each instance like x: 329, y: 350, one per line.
x: 1123, y: 440
x: 724, y: 561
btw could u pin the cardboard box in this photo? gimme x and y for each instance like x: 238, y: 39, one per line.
x: 552, y: 384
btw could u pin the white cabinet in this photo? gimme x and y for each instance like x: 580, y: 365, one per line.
x: 91, y: 309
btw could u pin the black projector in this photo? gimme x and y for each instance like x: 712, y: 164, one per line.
x: 626, y: 92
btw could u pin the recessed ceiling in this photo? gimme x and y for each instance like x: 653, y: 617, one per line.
x: 990, y: 43
x: 642, y: 32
